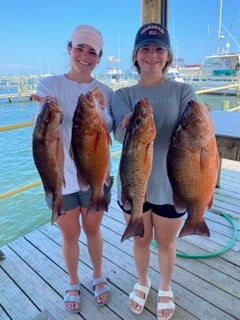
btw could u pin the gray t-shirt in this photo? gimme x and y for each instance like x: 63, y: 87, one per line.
x: 168, y: 101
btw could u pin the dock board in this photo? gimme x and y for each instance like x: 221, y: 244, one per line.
x: 33, y: 276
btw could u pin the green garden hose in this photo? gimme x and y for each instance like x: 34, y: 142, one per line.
x: 217, y: 253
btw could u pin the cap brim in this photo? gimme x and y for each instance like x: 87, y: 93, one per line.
x: 159, y: 43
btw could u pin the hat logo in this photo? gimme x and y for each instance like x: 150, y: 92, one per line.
x: 152, y: 29
x: 153, y: 32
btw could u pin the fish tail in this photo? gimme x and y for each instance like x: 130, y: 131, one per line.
x: 97, y: 205
x: 134, y: 228
x: 194, y: 228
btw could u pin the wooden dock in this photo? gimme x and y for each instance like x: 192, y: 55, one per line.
x: 33, y: 276
x: 11, y: 97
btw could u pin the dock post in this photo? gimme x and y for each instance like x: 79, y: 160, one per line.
x: 238, y: 82
x: 226, y: 105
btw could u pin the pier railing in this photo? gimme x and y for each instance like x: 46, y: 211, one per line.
x: 38, y: 182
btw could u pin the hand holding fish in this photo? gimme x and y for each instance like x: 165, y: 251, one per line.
x: 98, y: 95
x: 126, y: 119
x: 136, y: 164
x: 192, y: 165
x: 90, y: 150
x: 48, y: 155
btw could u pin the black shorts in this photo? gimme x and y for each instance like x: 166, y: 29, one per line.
x: 164, y: 210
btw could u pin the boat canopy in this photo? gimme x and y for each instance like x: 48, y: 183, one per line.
x: 222, y: 64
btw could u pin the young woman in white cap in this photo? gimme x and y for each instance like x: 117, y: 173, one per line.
x: 85, y: 50
x: 152, y: 56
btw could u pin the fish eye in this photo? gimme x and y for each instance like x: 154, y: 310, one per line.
x: 184, y: 125
x: 138, y: 121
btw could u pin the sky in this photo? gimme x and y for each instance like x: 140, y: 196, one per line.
x: 34, y: 34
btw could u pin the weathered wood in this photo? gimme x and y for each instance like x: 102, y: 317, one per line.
x: 227, y: 129
x: 151, y: 11
x: 44, y: 315
x: 33, y: 276
x: 229, y: 147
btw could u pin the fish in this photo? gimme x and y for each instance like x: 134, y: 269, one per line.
x: 90, y: 150
x: 48, y: 154
x: 192, y: 166
x: 136, y: 164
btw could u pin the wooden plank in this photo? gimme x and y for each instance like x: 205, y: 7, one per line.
x: 15, y: 302
x: 125, y: 262
x: 3, y: 315
x: 29, y: 282
x: 50, y: 267
x: 203, y: 288
x: 117, y: 296
x: 44, y: 315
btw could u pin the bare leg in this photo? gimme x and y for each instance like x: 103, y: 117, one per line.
x: 165, y: 231
x: 91, y: 226
x: 141, y: 251
x: 70, y: 228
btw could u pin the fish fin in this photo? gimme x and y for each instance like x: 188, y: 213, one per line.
x: 180, y: 206
x: 194, y: 228
x: 204, y: 158
x: 84, y: 185
x: 107, y: 180
x: 109, y: 139
x: 98, y: 205
x: 64, y: 182
x: 126, y: 204
x: 57, y: 211
x: 71, y: 152
x: 210, y: 203
x: 134, y: 228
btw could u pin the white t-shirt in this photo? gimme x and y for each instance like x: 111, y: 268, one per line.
x: 67, y: 93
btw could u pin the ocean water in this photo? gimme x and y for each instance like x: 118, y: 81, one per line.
x: 25, y: 211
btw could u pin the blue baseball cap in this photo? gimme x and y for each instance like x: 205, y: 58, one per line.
x: 152, y: 33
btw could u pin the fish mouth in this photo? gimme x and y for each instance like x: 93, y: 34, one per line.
x: 52, y: 104
x: 197, y: 113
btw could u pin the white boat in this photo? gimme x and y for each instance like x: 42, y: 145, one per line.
x: 222, y: 65
x: 173, y: 74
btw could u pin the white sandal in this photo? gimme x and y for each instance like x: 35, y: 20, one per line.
x: 140, y: 301
x: 167, y: 305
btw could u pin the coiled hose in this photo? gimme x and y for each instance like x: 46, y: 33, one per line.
x: 214, y: 254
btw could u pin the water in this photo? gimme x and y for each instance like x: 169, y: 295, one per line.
x: 25, y: 211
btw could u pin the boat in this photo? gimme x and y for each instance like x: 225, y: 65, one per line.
x: 114, y: 73
x: 174, y: 74
x: 223, y: 66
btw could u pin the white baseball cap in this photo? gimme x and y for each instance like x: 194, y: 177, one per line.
x: 84, y: 34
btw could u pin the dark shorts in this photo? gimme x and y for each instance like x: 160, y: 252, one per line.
x: 165, y: 210
x: 81, y: 198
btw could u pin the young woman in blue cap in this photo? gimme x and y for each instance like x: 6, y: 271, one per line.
x: 152, y: 56
x: 85, y: 51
